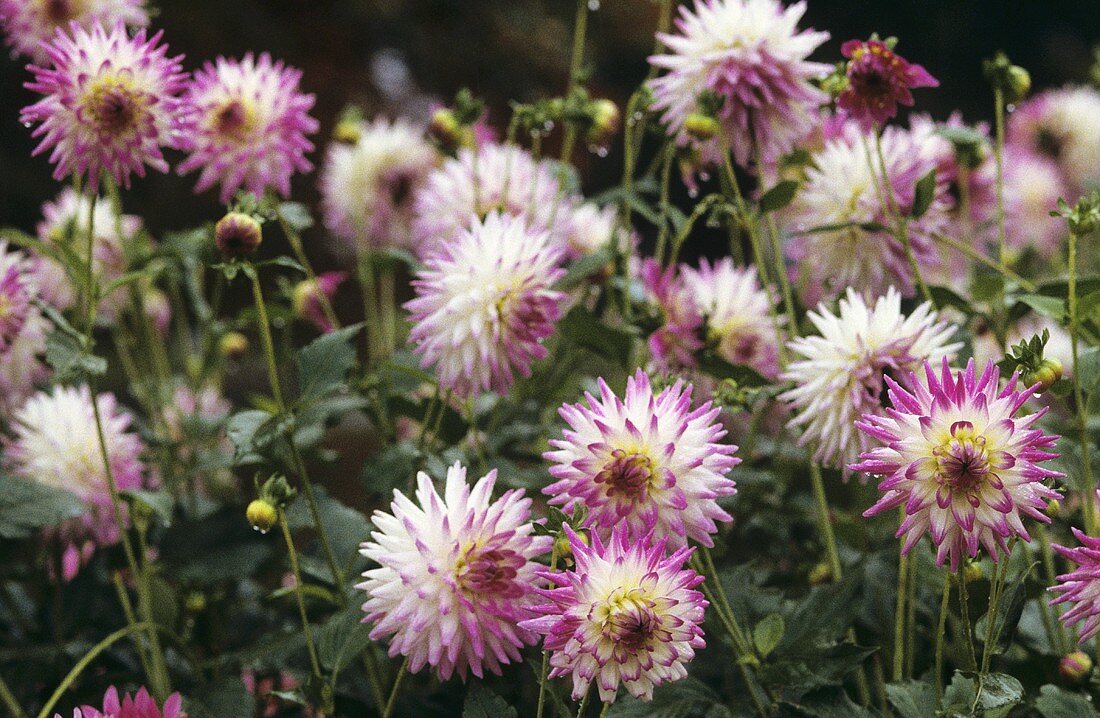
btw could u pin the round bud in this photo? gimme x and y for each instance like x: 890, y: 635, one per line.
x: 606, y: 121
x: 233, y: 344
x: 1054, y: 507
x: 820, y: 574
x: 238, y: 235
x: 1017, y: 83
x: 304, y: 293
x: 700, y: 126
x: 347, y: 132
x: 1075, y: 667
x: 261, y: 515
x: 195, y: 602
x: 972, y: 572
x: 445, y: 129
x: 1048, y: 372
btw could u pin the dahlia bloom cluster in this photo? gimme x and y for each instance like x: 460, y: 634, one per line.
x: 1081, y: 587
x: 647, y: 462
x: 839, y: 374
x: 484, y: 303
x: 456, y: 575
x: 29, y: 25
x: 627, y: 614
x: 139, y: 705
x: 750, y: 55
x: 964, y: 466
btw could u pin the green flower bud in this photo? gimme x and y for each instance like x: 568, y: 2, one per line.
x: 262, y: 515
x: 1075, y: 667
x: 700, y: 126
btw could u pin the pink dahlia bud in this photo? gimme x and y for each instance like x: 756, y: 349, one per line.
x: 878, y: 81
x: 471, y: 561
x: 649, y: 463
x: 628, y: 614
x: 110, y: 103
x: 956, y: 457
x: 238, y: 235
x: 140, y: 705
x: 245, y: 126
x: 1075, y: 667
x: 307, y: 298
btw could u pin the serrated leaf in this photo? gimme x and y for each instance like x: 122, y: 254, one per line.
x: 671, y: 700
x: 912, y: 699
x: 1000, y: 692
x: 26, y: 506
x: 1055, y: 702
x: 768, y: 633
x: 483, y: 703
x: 1088, y: 368
x: 296, y: 215
x: 342, y: 638
x: 324, y: 363
x: 227, y: 698
x: 778, y: 196
x: 924, y: 193
x: 67, y: 355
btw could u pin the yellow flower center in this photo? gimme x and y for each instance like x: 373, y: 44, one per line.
x: 234, y: 120
x: 113, y: 103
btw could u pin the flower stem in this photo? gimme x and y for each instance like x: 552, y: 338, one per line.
x: 8, y: 699
x: 1055, y: 630
x: 605, y: 709
x: 999, y: 160
x: 295, y: 241
x: 268, y: 342
x: 825, y: 523
x: 371, y: 313
x: 899, y: 617
x: 968, y: 631
x: 315, y: 664
x: 937, y: 666
x: 1078, y: 396
x: 584, y: 702
x: 974, y: 254
x: 543, y: 670
x: 580, y: 30
x: 404, y: 669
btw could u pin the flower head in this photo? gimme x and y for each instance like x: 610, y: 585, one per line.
x: 368, y: 187
x: 839, y: 375
x: 110, y: 103
x: 674, y: 343
x: 649, y: 463
x: 245, y: 126
x: 878, y: 81
x: 964, y: 467
x: 484, y: 303
x: 23, y: 365
x: 500, y: 178
x: 841, y: 194
x: 140, y: 705
x: 1033, y: 185
x: 17, y: 290
x: 456, y: 575
x: 1063, y: 124
x: 29, y: 25
x: 751, y: 57
x: 628, y: 613
x: 1081, y: 586
x: 54, y: 442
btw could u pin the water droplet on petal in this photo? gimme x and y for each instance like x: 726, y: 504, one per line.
x: 593, y: 5
x: 693, y: 193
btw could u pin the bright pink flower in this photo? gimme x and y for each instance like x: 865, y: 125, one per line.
x: 1081, y: 586
x: 674, y: 343
x: 110, y: 103
x: 140, y: 705
x: 878, y: 81
x: 628, y: 613
x: 963, y: 466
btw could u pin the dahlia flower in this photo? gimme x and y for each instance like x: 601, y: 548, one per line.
x: 1033, y: 185
x: 1063, y: 124
x: 456, y: 575
x: 140, y: 705
x: 17, y: 290
x: 1081, y: 586
x: 307, y: 298
x: 838, y: 375
x: 963, y: 466
x: 245, y: 126
x: 674, y: 343
x: 649, y: 463
x: 591, y: 228
x: 878, y: 81
x: 484, y: 303
x: 368, y: 188
x: 29, y: 25
x: 841, y: 192
x: 110, y: 103
x: 502, y: 178
x: 628, y: 613
x: 23, y: 364
x: 54, y: 442
x: 736, y: 313
x: 751, y: 55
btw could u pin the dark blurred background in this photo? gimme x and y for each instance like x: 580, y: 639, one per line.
x: 397, y: 56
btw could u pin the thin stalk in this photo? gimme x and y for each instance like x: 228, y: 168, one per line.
x: 662, y: 229
x: 131, y: 618
x: 370, y: 667
x: 315, y: 664
x: 404, y: 669
x: 580, y: 31
x: 941, y: 629
x: 88, y: 293
x: 145, y: 603
x: 295, y: 241
x: 992, y: 612
x: 584, y: 702
x: 977, y: 256
x: 371, y: 314
x: 543, y: 670
x: 268, y: 342
x: 1055, y: 630
x: 1078, y: 395
x: 604, y: 710
x: 825, y: 523
x: 999, y: 161
x: 968, y: 631
x: 910, y: 622
x: 899, y: 617
x: 387, y: 299
x: 777, y: 256
x: 8, y: 699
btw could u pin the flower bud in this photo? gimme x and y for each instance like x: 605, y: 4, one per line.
x: 1054, y: 507
x: 1076, y: 667
x: 700, y: 126
x: 347, y: 131
x: 261, y: 515
x: 972, y: 572
x: 233, y: 345
x: 606, y: 121
x: 238, y: 235
x: 1017, y: 83
x: 195, y: 602
x: 820, y: 574
x: 1045, y: 375
x: 445, y: 129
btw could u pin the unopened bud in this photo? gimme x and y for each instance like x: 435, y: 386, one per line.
x: 261, y: 515
x: 1017, y: 83
x: 347, y: 131
x: 238, y: 235
x: 445, y: 129
x: 1053, y: 508
x: 606, y: 121
x: 1076, y: 667
x: 195, y: 602
x: 233, y: 344
x: 820, y: 574
x: 1045, y: 375
x: 972, y: 572
x: 700, y: 126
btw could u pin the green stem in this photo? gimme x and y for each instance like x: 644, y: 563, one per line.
x: 1055, y: 630
x: 1078, y: 395
x: 88, y: 293
x: 998, y: 156
x: 8, y: 699
x: 825, y: 523
x: 910, y: 621
x: 604, y: 710
x: 972, y: 253
x: 131, y: 618
x: 899, y: 616
x: 964, y: 611
x: 371, y: 314
x: 941, y: 627
x: 387, y: 294
x: 268, y: 342
x: 295, y: 241
x: 404, y: 669
x: 663, y: 204
x: 544, y: 669
x: 584, y: 702
x: 315, y: 664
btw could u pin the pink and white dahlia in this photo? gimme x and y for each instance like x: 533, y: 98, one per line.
x: 245, y: 126
x: 500, y: 178
x: 17, y: 290
x: 593, y: 228
x: 23, y: 365
x: 54, y: 442
x: 649, y: 463
x: 1033, y: 185
x: 627, y: 613
x: 878, y: 81
x: 839, y: 375
x: 456, y: 575
x: 1081, y: 587
x: 736, y: 313
x: 368, y: 187
x: 110, y: 103
x: 140, y: 705
x: 1063, y: 124
x: 963, y: 466
x: 484, y: 303
x: 29, y: 25
x: 841, y: 193
x: 672, y: 346
x: 750, y: 55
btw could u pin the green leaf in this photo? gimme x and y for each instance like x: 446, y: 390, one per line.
x: 345, y: 527
x: 342, y: 638
x: 1011, y: 608
x: 66, y: 354
x: 324, y: 363
x: 26, y: 506
x: 585, y: 330
x: 768, y: 633
x: 822, y: 615
x: 585, y: 267
x: 924, y: 193
x: 296, y: 215
x: 717, y: 367
x: 673, y: 700
x: 1055, y: 702
x: 778, y: 196
x: 947, y: 297
x: 392, y: 467
x: 227, y: 698
x: 1088, y: 368
x: 912, y: 699
x: 1052, y: 307
x: 160, y: 503
x: 999, y: 693
x: 483, y: 703
x: 959, y: 696
x: 241, y: 429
